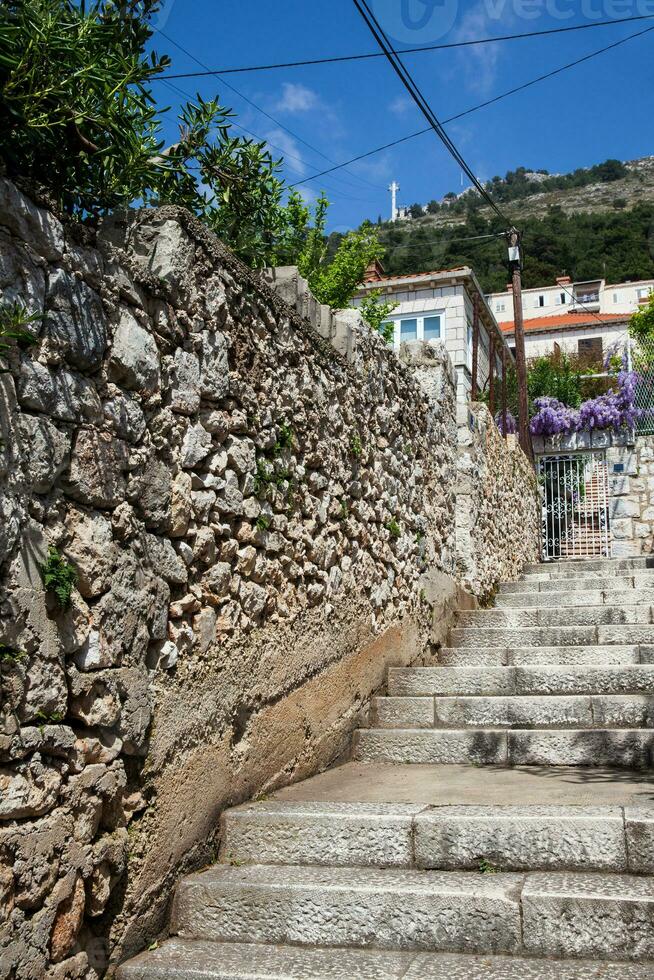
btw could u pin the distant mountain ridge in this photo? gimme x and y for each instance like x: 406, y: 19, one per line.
x: 595, y: 222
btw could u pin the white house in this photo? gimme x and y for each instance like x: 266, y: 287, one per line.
x: 581, y: 317
x: 440, y: 306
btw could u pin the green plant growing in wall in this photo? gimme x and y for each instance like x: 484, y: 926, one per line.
x: 394, y: 528
x: 486, y: 867
x: 14, y: 319
x: 10, y: 656
x: 286, y: 437
x: 59, y: 577
x: 344, y: 511
x: 356, y: 446
x: 263, y: 522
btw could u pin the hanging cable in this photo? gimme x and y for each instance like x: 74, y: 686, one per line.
x: 338, y: 59
x: 419, y: 99
x: 482, y: 105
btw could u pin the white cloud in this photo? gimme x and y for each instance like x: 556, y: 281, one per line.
x: 400, y: 106
x: 296, y: 98
x: 480, y: 61
x: 282, y: 143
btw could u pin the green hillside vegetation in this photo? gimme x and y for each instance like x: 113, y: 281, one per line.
x: 592, y: 223
x: 618, y: 246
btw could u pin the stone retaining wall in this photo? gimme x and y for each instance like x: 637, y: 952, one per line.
x: 259, y: 501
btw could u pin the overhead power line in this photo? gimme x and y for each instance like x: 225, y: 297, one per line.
x: 336, y: 191
x: 258, y: 108
x: 479, y: 239
x: 336, y: 59
x: 409, y: 84
x: 483, y: 105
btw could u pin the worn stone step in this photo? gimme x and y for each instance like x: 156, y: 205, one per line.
x: 596, y: 656
x: 550, y: 615
x: 626, y: 597
x: 361, y: 907
x: 336, y: 834
x: 616, y: 748
x: 574, y: 566
x: 547, y: 679
x: 572, y: 914
x: 589, y: 583
x: 624, y: 634
x: 515, y: 711
x: 452, y: 838
x: 184, y: 959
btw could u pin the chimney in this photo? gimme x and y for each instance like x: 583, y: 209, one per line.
x: 374, y: 272
x: 564, y: 281
x: 509, y: 287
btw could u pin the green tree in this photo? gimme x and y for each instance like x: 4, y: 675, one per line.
x: 376, y: 314
x: 641, y: 325
x: 336, y: 283
x: 77, y: 116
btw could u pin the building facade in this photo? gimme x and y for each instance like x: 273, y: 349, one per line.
x: 440, y: 306
x: 585, y: 318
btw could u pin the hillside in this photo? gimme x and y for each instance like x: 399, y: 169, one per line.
x: 573, y: 224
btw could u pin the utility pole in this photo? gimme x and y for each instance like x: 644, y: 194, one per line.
x: 514, y: 239
x: 394, y: 188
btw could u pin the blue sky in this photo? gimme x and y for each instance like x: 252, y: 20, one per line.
x: 598, y: 110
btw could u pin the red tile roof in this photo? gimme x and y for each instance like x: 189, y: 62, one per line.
x: 566, y: 320
x: 418, y: 275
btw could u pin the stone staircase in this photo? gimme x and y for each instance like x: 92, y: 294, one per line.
x: 521, y: 847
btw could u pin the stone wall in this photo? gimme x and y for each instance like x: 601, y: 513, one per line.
x: 259, y: 501
x: 497, y: 494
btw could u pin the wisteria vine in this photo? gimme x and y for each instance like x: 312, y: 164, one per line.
x: 614, y: 410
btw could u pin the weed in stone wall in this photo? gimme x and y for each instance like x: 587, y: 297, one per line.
x: 394, y: 528
x: 59, y: 577
x: 356, y: 446
x: 10, y: 656
x: 486, y: 867
x: 14, y: 318
x: 271, y: 474
x: 345, y: 511
x: 286, y: 437
x: 263, y: 522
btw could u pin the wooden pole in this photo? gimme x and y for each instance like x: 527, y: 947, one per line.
x: 491, y: 374
x: 475, y: 348
x: 515, y: 264
x: 504, y: 399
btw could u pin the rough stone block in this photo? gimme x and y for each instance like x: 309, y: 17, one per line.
x: 521, y: 838
x: 608, y: 916
x: 352, y: 907
x: 403, y: 712
x: 334, y: 834
x: 430, y: 746
x: 639, y: 830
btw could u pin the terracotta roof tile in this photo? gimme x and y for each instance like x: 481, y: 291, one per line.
x: 418, y: 275
x: 566, y: 320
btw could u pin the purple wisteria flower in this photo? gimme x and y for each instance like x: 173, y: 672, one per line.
x: 511, y: 423
x: 614, y: 410
x: 553, y: 418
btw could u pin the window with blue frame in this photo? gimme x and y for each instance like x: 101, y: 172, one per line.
x: 408, y: 329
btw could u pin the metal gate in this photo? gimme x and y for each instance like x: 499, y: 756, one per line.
x: 575, y: 490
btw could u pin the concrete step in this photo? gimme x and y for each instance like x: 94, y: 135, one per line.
x: 588, y: 583
x: 626, y: 597
x: 426, y: 681
x: 551, y: 636
x: 492, y: 712
x: 352, y: 907
x: 574, y: 566
x: 577, y: 615
x: 566, y: 914
x: 183, y: 959
x: 617, y: 748
x: 452, y: 838
x: 521, y: 656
